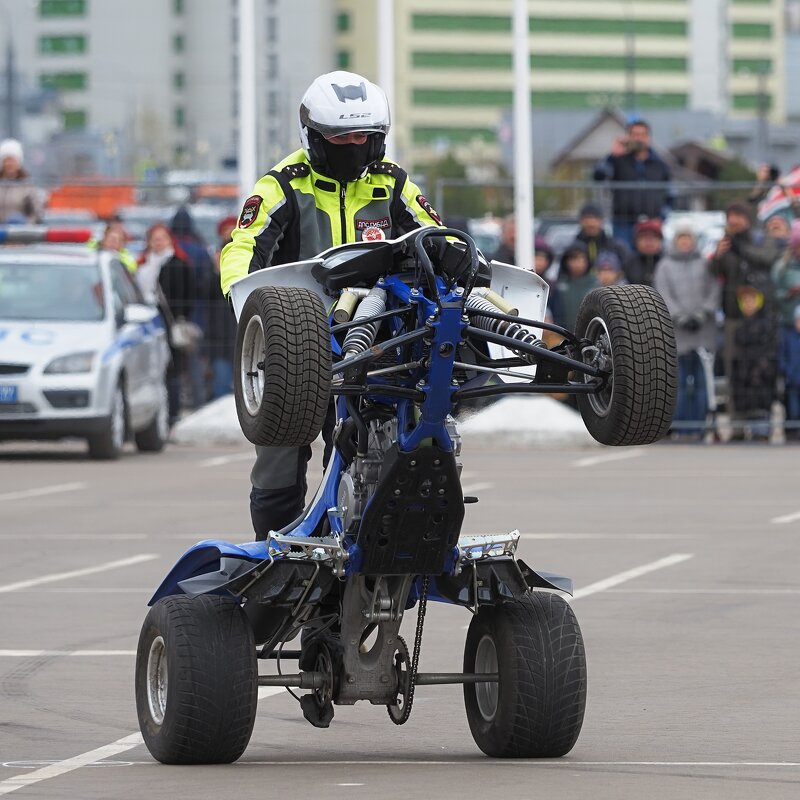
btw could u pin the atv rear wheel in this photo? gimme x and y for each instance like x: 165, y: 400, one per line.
x: 536, y: 708
x: 283, y: 362
x: 196, y: 680
x: 630, y: 334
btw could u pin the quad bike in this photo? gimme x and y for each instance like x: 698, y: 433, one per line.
x: 390, y: 338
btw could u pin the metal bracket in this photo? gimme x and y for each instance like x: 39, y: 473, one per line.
x: 327, y: 549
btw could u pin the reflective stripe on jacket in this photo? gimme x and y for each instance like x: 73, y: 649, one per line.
x: 294, y: 213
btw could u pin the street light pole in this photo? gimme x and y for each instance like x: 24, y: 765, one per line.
x: 386, y: 69
x: 247, y: 97
x: 523, y: 139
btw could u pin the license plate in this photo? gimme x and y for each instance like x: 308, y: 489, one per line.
x: 8, y: 394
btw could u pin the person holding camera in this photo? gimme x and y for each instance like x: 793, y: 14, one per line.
x: 738, y: 256
x: 645, y: 177
x: 692, y: 295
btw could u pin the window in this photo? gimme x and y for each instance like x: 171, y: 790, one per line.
x: 461, y: 22
x: 343, y: 59
x: 751, y: 30
x: 177, y: 7
x: 179, y: 80
x: 178, y: 43
x: 180, y: 117
x: 62, y: 44
x: 342, y: 22
x: 74, y: 120
x: 64, y: 81
x: 62, y: 8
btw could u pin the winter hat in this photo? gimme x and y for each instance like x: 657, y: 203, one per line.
x: 648, y: 226
x: 794, y: 238
x: 230, y: 221
x: 607, y: 260
x: 684, y: 229
x: 739, y: 208
x: 591, y: 210
x: 11, y: 148
x: 182, y: 223
x: 541, y: 245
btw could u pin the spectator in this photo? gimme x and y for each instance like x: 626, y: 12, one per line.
x: 608, y: 269
x: 19, y: 199
x: 506, y: 252
x: 633, y: 160
x: 542, y: 262
x: 737, y: 257
x: 640, y: 266
x: 167, y: 280
x: 198, y: 258
x: 575, y: 281
x: 786, y: 279
x: 114, y: 239
x: 767, y: 176
x: 780, y: 229
x: 754, y: 363
x: 789, y: 368
x: 220, y: 338
x: 692, y: 295
x: 594, y: 236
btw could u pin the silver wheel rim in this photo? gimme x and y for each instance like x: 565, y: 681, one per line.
x: 118, y: 420
x: 603, y: 358
x: 162, y: 415
x: 157, y: 680
x: 251, y: 377
x: 487, y: 694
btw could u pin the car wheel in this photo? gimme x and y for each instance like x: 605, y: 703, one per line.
x: 282, y: 378
x: 108, y: 443
x: 630, y: 334
x: 153, y: 438
x: 196, y: 680
x: 535, y: 709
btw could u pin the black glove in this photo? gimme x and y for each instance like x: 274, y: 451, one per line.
x: 693, y: 323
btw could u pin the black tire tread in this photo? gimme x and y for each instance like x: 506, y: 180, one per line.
x: 297, y: 364
x: 645, y: 365
x: 542, y: 668
x: 212, y: 670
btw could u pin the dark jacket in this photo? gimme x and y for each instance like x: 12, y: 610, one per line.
x: 220, y: 338
x: 746, y: 257
x: 639, y: 268
x: 597, y: 244
x: 179, y: 286
x: 505, y: 254
x: 571, y: 291
x: 754, y: 362
x: 631, y: 203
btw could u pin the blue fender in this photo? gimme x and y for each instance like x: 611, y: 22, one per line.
x: 205, y: 557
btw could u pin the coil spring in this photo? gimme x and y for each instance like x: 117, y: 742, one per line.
x: 361, y: 337
x: 513, y: 330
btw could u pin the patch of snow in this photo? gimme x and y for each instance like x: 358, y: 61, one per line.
x: 214, y: 423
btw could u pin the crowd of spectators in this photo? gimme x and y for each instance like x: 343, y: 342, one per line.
x: 735, y: 309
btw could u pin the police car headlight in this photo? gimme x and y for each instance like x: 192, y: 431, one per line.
x: 73, y: 363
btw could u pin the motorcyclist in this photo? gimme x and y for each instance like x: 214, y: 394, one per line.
x: 337, y: 188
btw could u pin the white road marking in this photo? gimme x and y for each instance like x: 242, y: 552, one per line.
x: 707, y: 591
x: 69, y: 653
x: 68, y: 765
x: 44, y: 490
x: 76, y: 573
x: 77, y: 537
x: 220, y: 461
x: 476, y: 487
x: 787, y: 518
x: 627, y: 536
x: 630, y: 574
x: 507, y: 763
x: 625, y: 454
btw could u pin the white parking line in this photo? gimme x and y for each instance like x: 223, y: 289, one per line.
x: 787, y: 518
x: 590, y: 462
x: 70, y: 764
x: 629, y: 575
x: 44, y: 490
x: 79, y: 653
x: 77, y: 573
x: 220, y: 461
x: 624, y: 536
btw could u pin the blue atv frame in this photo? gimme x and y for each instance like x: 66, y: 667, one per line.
x: 383, y: 532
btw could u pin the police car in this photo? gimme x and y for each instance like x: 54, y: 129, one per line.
x: 81, y: 355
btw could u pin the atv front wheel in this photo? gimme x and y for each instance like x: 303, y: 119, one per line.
x: 282, y: 382
x: 196, y: 680
x: 630, y: 335
x: 536, y: 708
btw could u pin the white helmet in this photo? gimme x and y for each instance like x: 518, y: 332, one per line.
x: 338, y: 103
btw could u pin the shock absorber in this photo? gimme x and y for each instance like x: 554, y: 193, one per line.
x: 513, y: 330
x: 361, y: 337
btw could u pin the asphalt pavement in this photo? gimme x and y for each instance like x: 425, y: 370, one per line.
x: 685, y: 563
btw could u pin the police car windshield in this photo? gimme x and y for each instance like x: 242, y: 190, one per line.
x: 51, y: 292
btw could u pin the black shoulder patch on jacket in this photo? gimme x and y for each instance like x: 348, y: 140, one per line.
x: 385, y: 168
x: 296, y: 170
